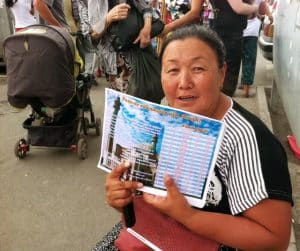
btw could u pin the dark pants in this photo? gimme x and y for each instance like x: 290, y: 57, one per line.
x: 249, y: 60
x: 233, y: 46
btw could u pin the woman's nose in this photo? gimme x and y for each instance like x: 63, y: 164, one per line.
x: 186, y: 80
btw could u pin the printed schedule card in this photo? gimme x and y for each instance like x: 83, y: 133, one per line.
x: 158, y: 139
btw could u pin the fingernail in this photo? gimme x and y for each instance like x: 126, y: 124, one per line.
x: 140, y: 185
x: 127, y: 163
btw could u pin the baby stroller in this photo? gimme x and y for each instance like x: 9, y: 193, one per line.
x: 40, y: 73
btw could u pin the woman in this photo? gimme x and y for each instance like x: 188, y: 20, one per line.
x: 249, y: 49
x: 229, y: 22
x: 23, y: 13
x: 51, y: 12
x: 182, y: 13
x: 102, y: 14
x: 250, y: 206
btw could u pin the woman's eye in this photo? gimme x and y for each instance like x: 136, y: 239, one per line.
x: 198, y: 69
x: 172, y: 70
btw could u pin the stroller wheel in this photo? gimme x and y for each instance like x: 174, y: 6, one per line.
x: 21, y: 148
x: 82, y: 148
x: 86, y: 124
x: 97, y: 126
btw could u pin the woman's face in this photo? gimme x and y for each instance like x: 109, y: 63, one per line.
x: 191, y: 77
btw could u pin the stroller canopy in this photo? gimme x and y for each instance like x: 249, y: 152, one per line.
x: 40, y: 65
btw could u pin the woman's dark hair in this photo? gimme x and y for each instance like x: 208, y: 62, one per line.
x: 199, y: 32
x: 10, y: 3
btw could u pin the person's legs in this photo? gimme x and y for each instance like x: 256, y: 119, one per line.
x: 89, y: 58
x: 125, y: 72
x: 112, y: 80
x: 248, y: 63
x: 233, y: 45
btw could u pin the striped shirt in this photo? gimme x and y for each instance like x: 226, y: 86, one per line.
x: 251, y: 165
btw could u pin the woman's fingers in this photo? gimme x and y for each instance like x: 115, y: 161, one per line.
x: 171, y: 186
x: 144, y: 39
x: 120, y: 12
x: 118, y: 171
x: 119, y: 192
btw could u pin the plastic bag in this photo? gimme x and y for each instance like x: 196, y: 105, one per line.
x: 145, y: 82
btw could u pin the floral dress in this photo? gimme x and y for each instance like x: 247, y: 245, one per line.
x: 110, y: 60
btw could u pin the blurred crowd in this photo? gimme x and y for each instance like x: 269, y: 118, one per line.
x: 236, y: 22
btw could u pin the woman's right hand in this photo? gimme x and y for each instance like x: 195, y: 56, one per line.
x: 119, y: 12
x: 120, y: 193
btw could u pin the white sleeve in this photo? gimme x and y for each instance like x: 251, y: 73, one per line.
x: 97, y: 11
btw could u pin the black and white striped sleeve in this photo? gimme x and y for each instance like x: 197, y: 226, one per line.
x: 243, y: 170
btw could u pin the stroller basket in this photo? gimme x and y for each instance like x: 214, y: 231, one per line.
x: 62, y: 136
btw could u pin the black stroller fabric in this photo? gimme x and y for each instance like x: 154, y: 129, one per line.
x: 145, y: 82
x: 40, y: 65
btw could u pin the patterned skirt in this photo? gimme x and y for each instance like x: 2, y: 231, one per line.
x: 108, y: 241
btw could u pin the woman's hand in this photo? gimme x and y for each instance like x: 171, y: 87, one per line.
x: 120, y: 193
x: 174, y: 204
x: 165, y: 31
x: 144, y: 36
x: 119, y: 12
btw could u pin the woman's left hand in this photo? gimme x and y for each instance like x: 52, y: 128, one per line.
x: 174, y: 204
x: 143, y: 37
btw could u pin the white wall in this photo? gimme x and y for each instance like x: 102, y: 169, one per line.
x: 286, y: 60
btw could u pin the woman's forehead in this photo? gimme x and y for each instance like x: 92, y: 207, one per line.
x: 192, y: 47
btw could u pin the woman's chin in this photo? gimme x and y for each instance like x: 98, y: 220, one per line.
x: 187, y: 108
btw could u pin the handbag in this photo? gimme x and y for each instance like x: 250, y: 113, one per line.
x: 162, y: 231
x: 124, y: 32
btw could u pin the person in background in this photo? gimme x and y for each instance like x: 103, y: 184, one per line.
x: 86, y: 30
x: 182, y: 13
x: 156, y: 14
x: 249, y: 50
x: 155, y: 7
x: 23, y: 12
x: 205, y: 13
x: 51, y: 12
x: 229, y: 22
x: 71, y: 14
x: 211, y: 15
x: 102, y: 14
x: 249, y: 207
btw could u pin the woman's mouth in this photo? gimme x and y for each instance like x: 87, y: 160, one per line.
x: 187, y: 98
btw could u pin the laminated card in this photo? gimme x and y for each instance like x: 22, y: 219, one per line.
x: 158, y: 139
